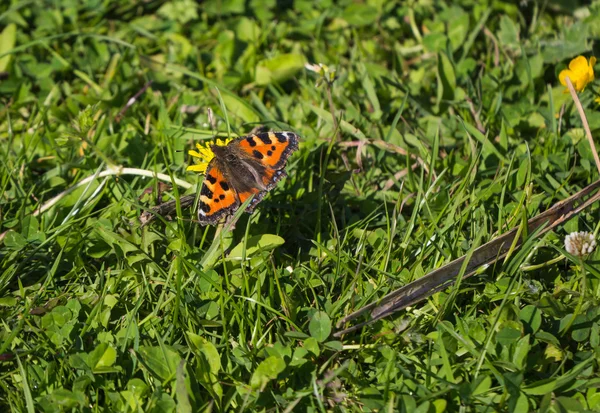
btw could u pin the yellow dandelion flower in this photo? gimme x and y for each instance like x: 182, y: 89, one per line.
x: 205, y: 154
x: 580, y: 71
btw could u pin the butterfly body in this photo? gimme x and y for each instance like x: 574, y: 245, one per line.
x: 247, y: 166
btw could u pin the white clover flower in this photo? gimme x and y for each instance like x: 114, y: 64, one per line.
x: 317, y: 68
x: 580, y: 243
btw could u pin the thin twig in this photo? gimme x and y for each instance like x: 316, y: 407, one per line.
x: 491, y: 36
x: 584, y: 120
x: 475, y: 115
x: 132, y: 101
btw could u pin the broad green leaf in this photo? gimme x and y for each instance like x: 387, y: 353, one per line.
x: 360, y: 14
x: 162, y: 361
x: 540, y: 387
x: 236, y: 108
x: 573, y: 43
x: 65, y: 400
x: 181, y: 389
x: 255, y: 244
x: 507, y: 336
x: 247, y: 30
x: 532, y: 317
x: 137, y: 387
x: 521, y: 351
x: 446, y: 76
x: 14, y: 240
x: 266, y: 371
x: 161, y: 402
x: 298, y: 356
x: 509, y: 32
x: 344, y: 125
x: 320, y: 326
x: 279, y: 68
x: 312, y: 345
x: 435, y: 42
x: 458, y: 28
x: 8, y: 38
x: 208, y: 365
x: 202, y: 345
x: 101, y: 357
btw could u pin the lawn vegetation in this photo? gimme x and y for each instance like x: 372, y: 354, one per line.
x: 427, y: 128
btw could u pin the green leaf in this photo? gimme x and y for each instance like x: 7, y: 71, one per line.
x: 435, y: 42
x: 580, y: 330
x: 458, y: 28
x: 509, y: 32
x: 320, y: 326
x: 14, y: 240
x: 65, y: 400
x: 266, y: 371
x: 573, y: 43
x: 137, y: 387
x: 344, y: 125
x: 507, y: 336
x: 446, y: 76
x: 247, y: 30
x: 521, y: 351
x: 208, y: 349
x: 298, y: 356
x: 255, y: 244
x: 532, y: 317
x: 360, y: 14
x: 8, y: 38
x: 208, y: 357
x: 181, y: 389
x: 540, y: 387
x: 102, y: 357
x: 279, y: 68
x: 235, y: 107
x: 481, y: 138
x: 161, y: 402
x: 334, y: 345
x: 312, y: 345
x: 162, y: 361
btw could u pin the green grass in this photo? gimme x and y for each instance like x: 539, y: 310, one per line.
x: 452, y: 128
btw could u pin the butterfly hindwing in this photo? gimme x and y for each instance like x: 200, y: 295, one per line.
x: 217, y: 197
x: 271, y: 149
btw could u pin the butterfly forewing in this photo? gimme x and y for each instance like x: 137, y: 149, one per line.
x: 271, y: 149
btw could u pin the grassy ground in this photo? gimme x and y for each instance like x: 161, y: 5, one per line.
x: 453, y: 128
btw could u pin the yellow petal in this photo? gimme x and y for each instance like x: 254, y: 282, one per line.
x: 578, y: 63
x: 201, y: 167
x: 562, y: 75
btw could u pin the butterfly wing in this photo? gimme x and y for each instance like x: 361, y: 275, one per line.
x: 268, y: 152
x: 217, y: 196
x: 271, y: 149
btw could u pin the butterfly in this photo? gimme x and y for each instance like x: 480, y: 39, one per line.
x: 246, y: 166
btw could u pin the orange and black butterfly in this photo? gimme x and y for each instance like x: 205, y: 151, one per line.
x: 249, y: 165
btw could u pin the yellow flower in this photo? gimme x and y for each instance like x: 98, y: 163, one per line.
x: 205, y: 154
x: 580, y: 72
